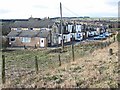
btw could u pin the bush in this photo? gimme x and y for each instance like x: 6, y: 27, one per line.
x: 118, y: 37
x: 4, y: 43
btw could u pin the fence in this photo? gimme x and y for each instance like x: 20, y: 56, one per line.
x: 19, y: 63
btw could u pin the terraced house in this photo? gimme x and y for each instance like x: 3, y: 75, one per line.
x: 29, y: 38
x: 46, y: 32
x: 34, y: 32
x: 41, y: 33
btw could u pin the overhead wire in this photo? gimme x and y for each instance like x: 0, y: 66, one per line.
x: 71, y: 11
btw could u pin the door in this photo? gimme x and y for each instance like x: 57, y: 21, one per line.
x: 42, y: 42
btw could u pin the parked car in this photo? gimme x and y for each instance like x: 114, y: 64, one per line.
x: 100, y: 37
x: 106, y: 34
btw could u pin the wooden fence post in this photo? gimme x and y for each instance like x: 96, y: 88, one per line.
x: 114, y: 38
x: 3, y: 69
x: 25, y: 47
x: 101, y: 45
x: 59, y: 60
x: 105, y: 44
x: 35, y: 46
x: 98, y: 45
x: 73, y: 52
x: 36, y: 64
x: 110, y: 51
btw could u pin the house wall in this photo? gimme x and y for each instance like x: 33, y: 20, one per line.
x: 85, y: 34
x: 24, y: 28
x: 44, y: 43
x: 18, y: 42
x: 78, y: 36
x: 19, y: 28
x: 13, y: 28
x: 66, y: 37
x: 36, y: 28
x: 98, y: 30
x: 54, y: 39
x: 78, y: 28
x: 59, y: 39
x: 70, y: 28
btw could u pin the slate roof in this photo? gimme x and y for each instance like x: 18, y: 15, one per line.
x: 29, y: 33
x: 14, y: 34
x: 43, y: 34
x: 33, y: 24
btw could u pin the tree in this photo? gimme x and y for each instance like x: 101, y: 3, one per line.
x: 4, y: 42
x: 5, y: 28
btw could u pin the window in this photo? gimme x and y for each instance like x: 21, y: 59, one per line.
x: 25, y: 39
x: 12, y: 39
x: 31, y: 28
x: 78, y: 35
x: 41, y: 41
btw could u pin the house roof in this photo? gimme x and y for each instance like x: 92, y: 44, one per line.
x: 33, y: 24
x: 43, y: 34
x: 29, y: 33
x: 14, y: 34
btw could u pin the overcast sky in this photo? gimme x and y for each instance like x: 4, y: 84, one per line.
x: 23, y: 9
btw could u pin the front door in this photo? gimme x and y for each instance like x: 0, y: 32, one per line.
x: 42, y: 42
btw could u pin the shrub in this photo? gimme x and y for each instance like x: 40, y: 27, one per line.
x: 4, y: 43
x: 118, y: 37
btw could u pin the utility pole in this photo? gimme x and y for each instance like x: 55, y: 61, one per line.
x: 61, y: 25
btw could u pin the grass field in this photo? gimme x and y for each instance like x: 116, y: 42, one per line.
x: 92, y: 67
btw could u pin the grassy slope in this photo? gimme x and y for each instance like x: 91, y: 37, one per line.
x: 100, y: 71
x: 94, y: 71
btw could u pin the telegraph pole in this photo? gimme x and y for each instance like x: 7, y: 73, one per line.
x: 61, y: 25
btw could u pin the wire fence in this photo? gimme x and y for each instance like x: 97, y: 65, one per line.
x: 20, y: 63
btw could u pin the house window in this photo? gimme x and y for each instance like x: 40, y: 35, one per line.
x: 25, y: 39
x: 12, y: 39
x: 78, y: 35
x: 41, y: 41
x: 31, y: 28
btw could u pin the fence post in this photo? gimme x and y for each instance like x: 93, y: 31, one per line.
x: 36, y: 64
x: 105, y: 44
x: 59, y: 60
x: 3, y: 69
x: 73, y: 52
x: 101, y: 45
x: 35, y: 46
x: 25, y: 47
x: 110, y: 51
x: 114, y: 38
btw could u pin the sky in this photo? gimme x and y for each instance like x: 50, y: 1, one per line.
x: 23, y: 9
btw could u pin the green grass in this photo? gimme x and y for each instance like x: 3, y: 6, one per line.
x: 117, y: 29
x: 23, y: 61
x: 46, y: 58
x: 118, y: 37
